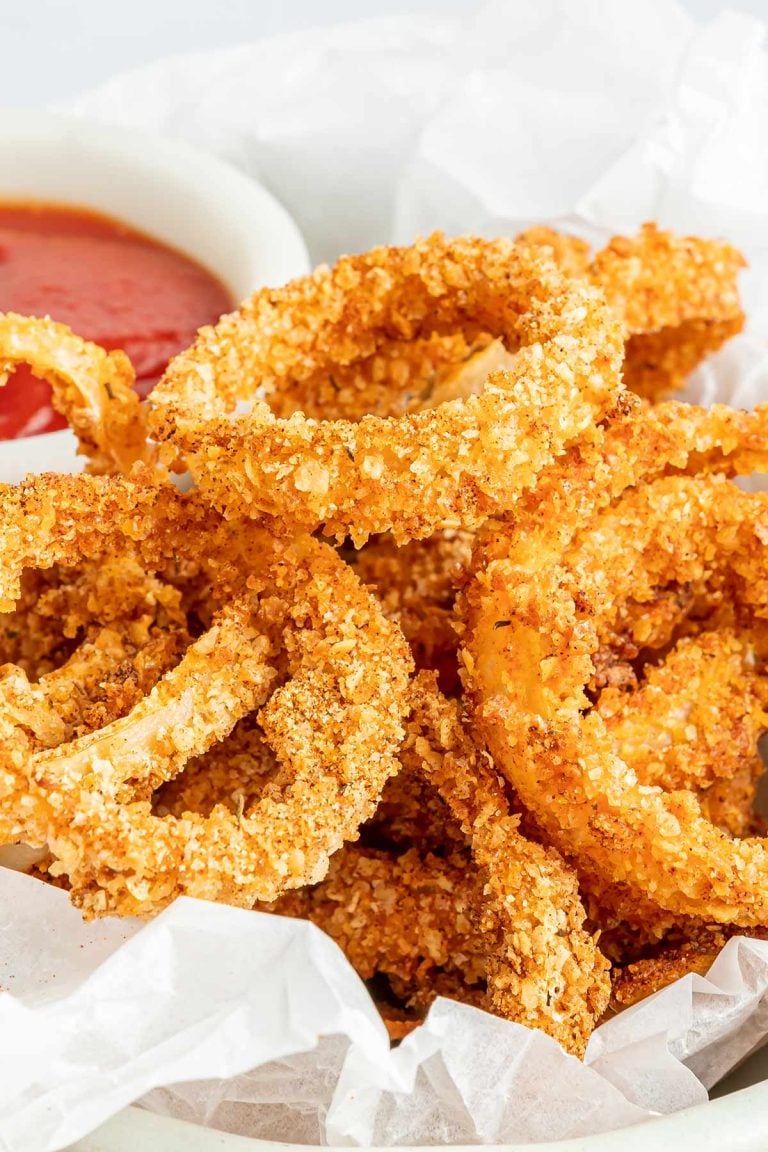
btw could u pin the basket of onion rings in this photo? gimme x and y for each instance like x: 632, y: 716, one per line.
x: 452, y: 646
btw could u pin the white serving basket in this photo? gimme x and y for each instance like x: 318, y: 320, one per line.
x: 230, y: 224
x: 735, y: 1122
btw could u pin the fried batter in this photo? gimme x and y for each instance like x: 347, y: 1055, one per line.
x: 557, y: 750
x: 333, y: 721
x: 444, y: 467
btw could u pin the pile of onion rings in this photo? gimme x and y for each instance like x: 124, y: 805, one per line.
x: 496, y: 732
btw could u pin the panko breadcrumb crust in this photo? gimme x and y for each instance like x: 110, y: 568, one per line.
x: 446, y: 467
x: 199, y: 697
x: 530, y: 676
x: 303, y: 642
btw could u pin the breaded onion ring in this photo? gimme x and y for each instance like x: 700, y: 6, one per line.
x: 696, y: 717
x: 532, y: 634
x: 676, y: 297
x: 447, y: 467
x: 92, y: 388
x: 658, y: 281
x: 408, y: 917
x: 638, y: 443
x: 488, y: 915
x: 108, y: 633
x: 544, y: 968
x: 305, y: 644
x: 694, y: 955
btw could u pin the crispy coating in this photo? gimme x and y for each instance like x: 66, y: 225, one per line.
x: 691, y: 721
x: 637, y: 444
x: 233, y: 772
x: 644, y: 977
x: 544, y: 969
x: 695, y: 953
x: 92, y: 388
x: 445, y: 467
x: 658, y: 281
x: 557, y: 750
x: 108, y: 632
x: 695, y: 718
x: 677, y: 297
x: 410, y: 918
x: 400, y: 376
x: 401, y: 912
x: 658, y: 363
x: 459, y: 902
x: 64, y: 520
x: 333, y: 720
x: 570, y: 252
x: 200, y: 698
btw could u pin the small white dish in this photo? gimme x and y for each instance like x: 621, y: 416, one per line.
x: 177, y: 194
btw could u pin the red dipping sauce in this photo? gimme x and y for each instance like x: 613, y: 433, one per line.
x: 110, y: 284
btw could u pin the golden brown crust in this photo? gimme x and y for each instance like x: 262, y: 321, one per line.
x: 416, y: 585
x: 214, y: 705
x: 694, y: 954
x: 557, y: 750
x: 409, y: 917
x: 657, y: 280
x: 677, y: 296
x: 544, y: 968
x: 416, y: 473
x: 658, y: 363
x: 334, y: 723
x: 92, y: 388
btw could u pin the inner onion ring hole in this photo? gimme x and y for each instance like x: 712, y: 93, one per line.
x: 622, y: 661
x: 234, y: 773
x: 685, y: 613
x: 400, y: 377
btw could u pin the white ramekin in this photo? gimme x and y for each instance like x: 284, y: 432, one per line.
x: 173, y: 192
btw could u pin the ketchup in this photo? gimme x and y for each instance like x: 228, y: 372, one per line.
x: 110, y: 284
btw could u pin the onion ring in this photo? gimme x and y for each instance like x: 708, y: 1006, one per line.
x: 544, y: 968
x: 695, y: 718
x: 92, y: 388
x: 493, y: 918
x: 658, y: 281
x: 676, y: 297
x: 305, y: 644
x: 695, y: 954
x: 638, y: 444
x: 407, y: 917
x: 448, y: 467
x: 530, y: 675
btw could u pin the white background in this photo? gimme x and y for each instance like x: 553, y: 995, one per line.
x: 54, y: 48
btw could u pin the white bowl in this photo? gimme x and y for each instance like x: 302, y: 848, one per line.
x: 171, y: 191
x: 736, y: 1122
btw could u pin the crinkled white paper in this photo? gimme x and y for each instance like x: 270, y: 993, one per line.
x: 257, y: 1024
x: 586, y: 114
x: 590, y: 115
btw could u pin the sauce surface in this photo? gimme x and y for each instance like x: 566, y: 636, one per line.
x: 110, y: 284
